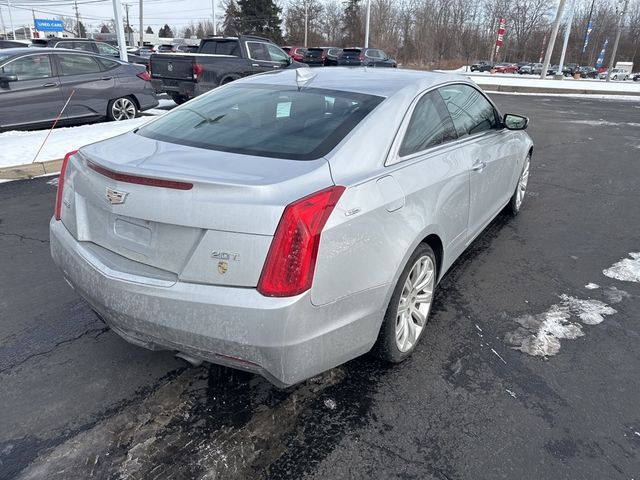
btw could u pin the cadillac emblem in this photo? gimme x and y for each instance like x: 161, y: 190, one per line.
x: 223, y: 267
x: 115, y: 197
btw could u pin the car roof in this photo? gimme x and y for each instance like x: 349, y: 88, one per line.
x: 383, y: 82
x: 20, y: 50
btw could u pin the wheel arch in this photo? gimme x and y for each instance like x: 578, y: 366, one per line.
x: 435, y: 243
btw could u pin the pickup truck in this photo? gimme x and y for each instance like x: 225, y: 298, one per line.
x: 219, y: 60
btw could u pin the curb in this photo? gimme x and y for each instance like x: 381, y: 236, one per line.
x: 565, y: 91
x: 23, y: 172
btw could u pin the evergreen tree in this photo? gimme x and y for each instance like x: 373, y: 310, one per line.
x: 232, y: 23
x: 104, y: 29
x: 261, y: 17
x: 149, y: 30
x: 82, y: 31
x: 352, y: 31
x: 165, y: 31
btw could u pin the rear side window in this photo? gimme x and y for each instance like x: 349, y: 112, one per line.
x: 265, y: 120
x: 258, y: 51
x: 430, y: 125
x: 107, y: 64
x: 470, y: 111
x: 105, y: 49
x: 29, y: 67
x: 77, y: 64
x: 225, y: 47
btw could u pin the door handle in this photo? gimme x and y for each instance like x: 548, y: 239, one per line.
x: 255, y: 65
x: 478, y: 166
x: 47, y: 85
x: 106, y: 78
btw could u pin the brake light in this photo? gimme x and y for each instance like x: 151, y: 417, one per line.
x: 291, y: 261
x: 323, y: 56
x: 144, y: 76
x: 361, y: 57
x: 198, y: 70
x: 148, y: 181
x: 57, y: 212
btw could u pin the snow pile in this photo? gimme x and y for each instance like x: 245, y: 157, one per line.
x: 626, y: 270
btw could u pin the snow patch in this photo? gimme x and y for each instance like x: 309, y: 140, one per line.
x: 626, y: 270
x: 614, y: 295
x: 540, y: 335
x: 605, y: 123
x: 591, y: 286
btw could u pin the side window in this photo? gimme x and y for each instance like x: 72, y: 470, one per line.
x: 430, y: 125
x: 107, y: 64
x: 470, y: 111
x: 77, y: 64
x: 84, y: 46
x: 106, y: 49
x: 258, y: 51
x: 276, y: 54
x: 29, y: 67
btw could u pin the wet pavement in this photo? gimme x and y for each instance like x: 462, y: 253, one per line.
x: 79, y: 402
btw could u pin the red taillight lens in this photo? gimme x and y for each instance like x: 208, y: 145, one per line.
x: 144, y: 76
x: 361, y: 57
x: 198, y: 70
x: 57, y: 212
x: 148, y: 181
x: 291, y: 261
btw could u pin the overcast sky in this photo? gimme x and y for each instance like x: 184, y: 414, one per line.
x: 94, y: 12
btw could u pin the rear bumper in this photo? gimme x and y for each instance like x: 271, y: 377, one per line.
x: 286, y: 340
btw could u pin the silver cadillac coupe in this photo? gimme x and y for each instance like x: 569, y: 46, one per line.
x: 291, y: 221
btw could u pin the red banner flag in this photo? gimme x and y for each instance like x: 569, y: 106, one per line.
x: 503, y: 25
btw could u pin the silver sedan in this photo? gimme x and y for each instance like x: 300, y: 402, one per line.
x: 288, y: 222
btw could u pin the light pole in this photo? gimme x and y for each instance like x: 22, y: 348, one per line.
x: 366, y: 28
x: 122, y: 44
x: 552, y: 39
x: 306, y: 22
x: 213, y: 15
x: 13, y: 30
x: 615, y: 45
x: 566, y: 38
x: 141, y: 26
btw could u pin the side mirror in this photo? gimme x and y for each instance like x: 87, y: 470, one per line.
x: 8, y: 77
x: 515, y: 122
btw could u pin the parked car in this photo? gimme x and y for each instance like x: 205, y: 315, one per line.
x: 35, y: 84
x: 144, y: 51
x: 238, y: 229
x: 530, y: 69
x: 187, y: 48
x: 11, y: 44
x: 588, y: 72
x: 219, y: 60
x: 164, y: 48
x: 297, y: 53
x: 331, y: 60
x: 553, y: 69
x: 368, y: 57
x: 616, y: 74
x: 569, y: 69
x: 506, y: 68
x: 636, y: 77
x: 314, y: 56
x: 482, y: 66
x: 88, y: 45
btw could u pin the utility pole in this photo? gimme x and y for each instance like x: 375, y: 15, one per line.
x: 213, y: 15
x: 567, y: 31
x: 4, y: 29
x: 126, y: 8
x: 552, y: 39
x: 75, y: 6
x: 141, y: 26
x: 306, y: 22
x: 615, y: 45
x: 366, y: 29
x: 13, y: 30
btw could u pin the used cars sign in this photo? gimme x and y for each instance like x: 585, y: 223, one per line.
x: 44, y: 25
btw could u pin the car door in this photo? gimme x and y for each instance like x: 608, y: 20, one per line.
x: 262, y: 54
x: 35, y: 96
x: 492, y: 164
x: 82, y: 74
x: 433, y: 172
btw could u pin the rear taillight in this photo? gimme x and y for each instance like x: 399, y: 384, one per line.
x: 144, y: 76
x: 57, y: 212
x: 291, y: 261
x: 148, y: 181
x: 198, y: 70
x: 361, y: 57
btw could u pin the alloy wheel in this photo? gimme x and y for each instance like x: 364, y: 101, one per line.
x: 123, y: 109
x: 522, y: 184
x: 415, y: 303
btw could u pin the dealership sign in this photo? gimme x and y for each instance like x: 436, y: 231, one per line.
x: 44, y: 25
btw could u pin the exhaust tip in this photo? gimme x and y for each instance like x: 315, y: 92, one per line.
x: 196, y: 362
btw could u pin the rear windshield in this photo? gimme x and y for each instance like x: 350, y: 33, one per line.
x: 265, y: 120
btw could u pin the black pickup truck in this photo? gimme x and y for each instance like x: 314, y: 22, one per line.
x: 219, y: 60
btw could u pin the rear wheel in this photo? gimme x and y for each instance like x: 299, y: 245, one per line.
x: 123, y: 108
x: 179, y: 99
x: 409, y: 308
x: 521, y: 188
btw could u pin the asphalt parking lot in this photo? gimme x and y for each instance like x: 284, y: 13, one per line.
x: 78, y: 402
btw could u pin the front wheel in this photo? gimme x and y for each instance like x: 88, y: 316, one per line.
x: 123, y: 108
x: 521, y: 188
x: 178, y: 99
x: 408, y: 311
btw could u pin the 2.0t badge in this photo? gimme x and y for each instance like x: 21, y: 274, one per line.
x: 116, y: 197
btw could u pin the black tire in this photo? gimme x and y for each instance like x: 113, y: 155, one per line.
x: 123, y: 108
x: 386, y: 346
x: 179, y: 99
x: 514, y: 205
